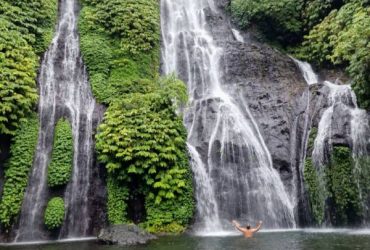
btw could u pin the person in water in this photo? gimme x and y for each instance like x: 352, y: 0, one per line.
x: 247, y: 231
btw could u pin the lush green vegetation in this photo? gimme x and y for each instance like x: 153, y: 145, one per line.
x: 314, y: 182
x: 25, y: 30
x: 17, y: 170
x: 327, y: 33
x: 120, y: 44
x: 334, y: 188
x: 315, y: 191
x: 141, y: 137
x: 54, y: 213
x: 117, y: 201
x: 60, y: 168
x: 343, y: 189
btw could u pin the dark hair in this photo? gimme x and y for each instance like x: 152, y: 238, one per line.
x: 248, y: 227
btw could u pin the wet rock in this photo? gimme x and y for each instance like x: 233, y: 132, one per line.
x: 124, y: 235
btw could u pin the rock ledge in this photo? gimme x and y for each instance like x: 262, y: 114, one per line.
x: 124, y: 235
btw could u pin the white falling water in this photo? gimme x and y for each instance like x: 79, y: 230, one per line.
x: 309, y: 75
x: 207, y: 204
x: 338, y: 95
x: 237, y: 35
x: 64, y: 91
x: 238, y: 165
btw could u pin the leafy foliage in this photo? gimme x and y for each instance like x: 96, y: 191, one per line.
x: 315, y: 191
x: 25, y: 30
x: 17, y: 170
x: 171, y: 215
x: 142, y: 135
x: 314, y: 182
x: 284, y: 15
x: 117, y: 198
x: 54, y: 213
x: 59, y: 171
x: 134, y: 22
x: 343, y: 38
x: 342, y: 186
x: 110, y: 63
x: 17, y: 78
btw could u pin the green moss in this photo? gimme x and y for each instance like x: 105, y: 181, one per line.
x: 60, y: 168
x: 117, y: 201
x: 343, y: 188
x: 316, y: 191
x: 17, y: 170
x: 311, y: 139
x: 54, y: 213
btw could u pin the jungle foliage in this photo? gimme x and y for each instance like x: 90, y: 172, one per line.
x: 26, y: 29
x: 60, y: 167
x: 333, y: 189
x: 141, y: 137
x: 327, y: 33
x: 54, y: 213
x: 17, y: 170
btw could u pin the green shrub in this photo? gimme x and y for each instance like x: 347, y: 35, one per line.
x: 135, y: 22
x: 142, y: 135
x: 54, y: 213
x: 342, y: 186
x: 343, y: 39
x: 278, y: 20
x: 316, y: 191
x: 26, y: 29
x: 17, y: 170
x: 109, y: 64
x: 117, y: 198
x: 60, y: 168
x: 18, y: 64
x: 171, y: 215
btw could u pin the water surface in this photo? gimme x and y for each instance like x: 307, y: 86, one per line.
x: 277, y: 240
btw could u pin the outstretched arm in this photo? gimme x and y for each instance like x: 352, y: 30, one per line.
x: 237, y: 226
x: 258, y: 227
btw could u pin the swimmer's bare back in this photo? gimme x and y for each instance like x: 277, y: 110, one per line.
x: 248, y: 232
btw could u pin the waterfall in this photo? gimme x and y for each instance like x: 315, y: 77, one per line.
x: 237, y: 35
x: 338, y: 95
x: 64, y: 92
x: 309, y: 75
x: 232, y: 159
x: 207, y: 204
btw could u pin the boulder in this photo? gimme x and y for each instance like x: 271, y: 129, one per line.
x: 124, y: 235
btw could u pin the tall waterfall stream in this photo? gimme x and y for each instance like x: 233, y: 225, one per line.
x: 64, y: 92
x: 236, y: 180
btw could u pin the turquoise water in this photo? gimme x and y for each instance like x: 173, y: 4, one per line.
x: 294, y: 240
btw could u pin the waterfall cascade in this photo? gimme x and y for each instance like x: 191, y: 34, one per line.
x: 64, y: 92
x: 340, y: 99
x: 230, y: 153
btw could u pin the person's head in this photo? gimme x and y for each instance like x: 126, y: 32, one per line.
x: 248, y: 226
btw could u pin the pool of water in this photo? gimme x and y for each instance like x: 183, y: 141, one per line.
x: 271, y: 240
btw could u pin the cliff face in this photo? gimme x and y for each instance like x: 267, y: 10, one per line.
x: 284, y: 107
x: 271, y: 85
